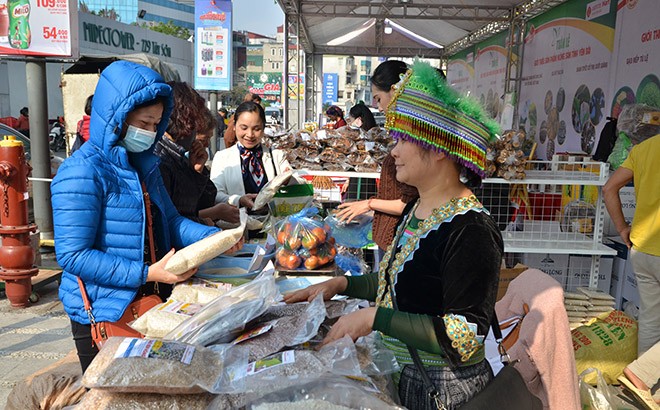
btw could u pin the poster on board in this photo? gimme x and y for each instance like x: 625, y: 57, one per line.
x: 460, y: 71
x: 44, y: 28
x: 267, y: 85
x: 213, y: 45
x: 637, y: 50
x: 490, y: 73
x: 566, y: 74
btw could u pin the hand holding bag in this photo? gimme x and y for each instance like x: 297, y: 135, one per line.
x: 101, y: 331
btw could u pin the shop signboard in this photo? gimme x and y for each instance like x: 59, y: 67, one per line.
x: 566, y: 73
x: 490, y: 73
x: 460, y: 71
x: 637, y: 50
x: 213, y: 44
x: 266, y: 85
x: 330, y: 84
x: 44, y: 28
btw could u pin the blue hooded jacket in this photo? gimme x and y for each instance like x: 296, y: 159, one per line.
x: 98, y: 207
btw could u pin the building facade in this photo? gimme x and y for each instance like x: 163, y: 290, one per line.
x: 145, y: 11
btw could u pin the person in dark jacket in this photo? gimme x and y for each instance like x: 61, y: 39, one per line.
x: 99, y: 210
x: 436, y: 287
x: 183, y: 160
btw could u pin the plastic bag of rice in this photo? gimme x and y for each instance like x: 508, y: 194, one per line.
x: 200, y: 291
x: 104, y: 400
x: 270, y: 189
x: 192, y: 256
x: 161, y: 319
x: 132, y: 365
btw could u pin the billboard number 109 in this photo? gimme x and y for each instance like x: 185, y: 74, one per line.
x: 45, y: 3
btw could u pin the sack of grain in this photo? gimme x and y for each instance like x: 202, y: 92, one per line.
x: 222, y: 320
x: 104, y: 400
x: 162, y: 318
x: 132, y: 365
x: 206, y: 249
x: 269, y: 190
x: 200, y: 291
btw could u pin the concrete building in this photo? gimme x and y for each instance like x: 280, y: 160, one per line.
x: 97, y: 36
x: 139, y: 11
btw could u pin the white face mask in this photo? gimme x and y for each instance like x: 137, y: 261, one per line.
x: 137, y: 139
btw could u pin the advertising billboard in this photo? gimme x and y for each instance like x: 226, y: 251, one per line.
x: 330, y: 83
x: 213, y: 45
x: 44, y: 28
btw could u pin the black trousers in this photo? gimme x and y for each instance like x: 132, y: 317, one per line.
x: 82, y: 337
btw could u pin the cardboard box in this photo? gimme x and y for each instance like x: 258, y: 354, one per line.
x: 506, y: 276
x: 579, y: 271
x: 628, y: 204
x: 555, y: 265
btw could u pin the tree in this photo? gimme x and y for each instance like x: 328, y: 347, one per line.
x: 235, y: 96
x: 109, y: 14
x: 168, y: 28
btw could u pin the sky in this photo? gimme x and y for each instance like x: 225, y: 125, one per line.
x: 258, y: 16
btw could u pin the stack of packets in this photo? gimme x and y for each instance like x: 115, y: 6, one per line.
x: 586, y: 304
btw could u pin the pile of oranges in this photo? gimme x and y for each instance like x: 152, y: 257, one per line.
x: 305, y: 243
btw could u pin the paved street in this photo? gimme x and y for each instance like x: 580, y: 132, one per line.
x: 31, y: 338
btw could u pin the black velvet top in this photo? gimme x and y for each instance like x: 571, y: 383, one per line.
x: 453, y: 270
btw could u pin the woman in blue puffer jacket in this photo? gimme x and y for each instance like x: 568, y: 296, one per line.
x: 98, y: 206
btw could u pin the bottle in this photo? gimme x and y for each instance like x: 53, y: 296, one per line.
x: 20, y: 35
x: 4, y: 23
x: 203, y: 70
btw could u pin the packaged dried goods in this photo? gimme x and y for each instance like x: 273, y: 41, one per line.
x: 269, y: 190
x: 104, y: 400
x: 206, y: 249
x: 161, y: 319
x: 132, y: 365
x: 222, y: 320
x: 200, y: 291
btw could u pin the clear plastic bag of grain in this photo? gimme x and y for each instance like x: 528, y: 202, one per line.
x: 105, y: 400
x: 132, y: 365
x: 325, y: 393
x: 200, y: 291
x: 375, y: 359
x: 222, y: 320
x: 288, y: 330
x: 161, y: 319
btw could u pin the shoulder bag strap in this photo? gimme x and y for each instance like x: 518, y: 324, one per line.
x: 272, y: 160
x: 86, y: 302
x: 150, y: 229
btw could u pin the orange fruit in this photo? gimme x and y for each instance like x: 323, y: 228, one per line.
x: 281, y: 237
x: 312, y: 262
x: 319, y: 233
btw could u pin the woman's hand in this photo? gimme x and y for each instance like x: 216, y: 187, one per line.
x: 226, y: 212
x: 247, y: 201
x: 157, y: 272
x: 349, y: 210
x: 329, y: 288
x: 355, y: 325
x: 198, y: 156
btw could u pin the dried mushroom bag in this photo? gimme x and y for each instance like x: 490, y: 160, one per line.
x: 200, y: 291
x: 223, y: 319
x: 270, y: 189
x: 326, y: 392
x: 161, y: 319
x: 192, y: 256
x: 132, y: 365
x: 104, y: 400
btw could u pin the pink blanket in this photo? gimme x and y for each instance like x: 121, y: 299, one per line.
x: 544, y: 346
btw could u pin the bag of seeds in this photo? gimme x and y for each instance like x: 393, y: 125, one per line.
x: 199, y: 291
x: 162, y: 318
x: 132, y: 365
x: 222, y: 320
x: 375, y: 359
x: 328, y: 392
x: 192, y: 256
x: 288, y: 330
x: 105, y: 400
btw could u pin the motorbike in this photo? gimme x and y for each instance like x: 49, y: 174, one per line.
x: 57, y: 137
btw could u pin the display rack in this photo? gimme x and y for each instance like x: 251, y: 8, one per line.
x: 559, y: 211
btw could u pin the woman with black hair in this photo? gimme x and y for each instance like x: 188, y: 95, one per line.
x: 336, y: 115
x: 392, y: 196
x: 360, y: 116
x: 239, y: 172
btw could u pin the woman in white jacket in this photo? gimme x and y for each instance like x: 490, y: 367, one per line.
x: 239, y: 172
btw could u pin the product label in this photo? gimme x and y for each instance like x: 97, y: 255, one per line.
x: 276, y: 359
x: 155, y: 349
x: 180, y: 308
x: 257, y: 331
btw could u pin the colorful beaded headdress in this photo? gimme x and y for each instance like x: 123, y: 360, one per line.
x: 428, y: 112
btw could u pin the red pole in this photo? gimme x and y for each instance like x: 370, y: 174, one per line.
x: 16, y: 254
